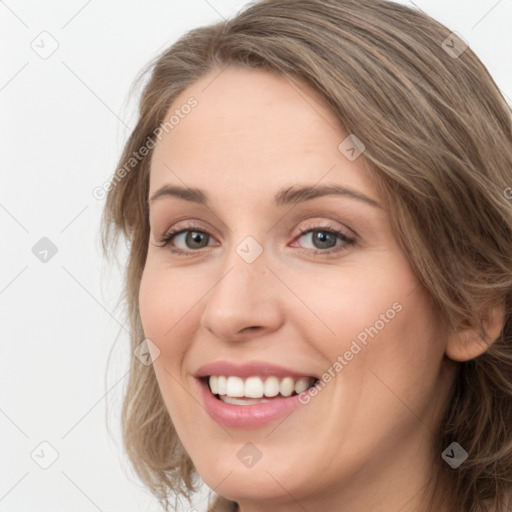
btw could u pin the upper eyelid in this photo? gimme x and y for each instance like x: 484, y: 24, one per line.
x: 310, y: 226
x: 189, y: 226
x: 326, y: 216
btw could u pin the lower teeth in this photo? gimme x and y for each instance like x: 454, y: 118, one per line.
x: 248, y: 401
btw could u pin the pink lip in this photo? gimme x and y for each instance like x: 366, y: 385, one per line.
x: 251, y: 369
x: 246, y: 416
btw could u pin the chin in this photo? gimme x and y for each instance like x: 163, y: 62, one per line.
x: 265, y: 480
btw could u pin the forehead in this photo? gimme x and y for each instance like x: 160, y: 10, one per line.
x: 252, y: 127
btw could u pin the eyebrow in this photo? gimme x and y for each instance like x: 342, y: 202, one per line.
x: 285, y: 196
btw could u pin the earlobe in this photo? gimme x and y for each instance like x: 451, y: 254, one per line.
x: 467, y: 343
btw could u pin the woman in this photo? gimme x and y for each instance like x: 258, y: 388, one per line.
x: 315, y: 200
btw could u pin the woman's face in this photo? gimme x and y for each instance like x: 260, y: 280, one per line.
x: 278, y: 283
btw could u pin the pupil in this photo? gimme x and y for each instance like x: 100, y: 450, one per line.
x: 195, y: 237
x: 322, y: 236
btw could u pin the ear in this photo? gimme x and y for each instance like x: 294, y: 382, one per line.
x: 467, y: 343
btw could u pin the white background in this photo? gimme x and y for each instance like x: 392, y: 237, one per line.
x: 63, y: 122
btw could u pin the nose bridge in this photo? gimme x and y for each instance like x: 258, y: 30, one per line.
x: 243, y: 277
x: 241, y: 297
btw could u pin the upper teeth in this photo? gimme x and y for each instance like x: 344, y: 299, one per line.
x: 255, y: 387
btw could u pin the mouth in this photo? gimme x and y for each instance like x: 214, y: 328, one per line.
x: 252, y: 394
x: 252, y: 390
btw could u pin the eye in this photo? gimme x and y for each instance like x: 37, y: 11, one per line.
x: 192, y: 239
x: 192, y: 236
x: 324, y: 239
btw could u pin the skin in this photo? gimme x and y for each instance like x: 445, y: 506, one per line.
x: 363, y: 443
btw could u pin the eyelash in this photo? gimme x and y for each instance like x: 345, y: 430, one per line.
x: 348, y: 241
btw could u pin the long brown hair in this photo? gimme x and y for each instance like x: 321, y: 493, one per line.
x: 438, y: 137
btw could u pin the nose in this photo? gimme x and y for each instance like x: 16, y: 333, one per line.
x: 243, y: 303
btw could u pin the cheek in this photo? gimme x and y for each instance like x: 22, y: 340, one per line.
x: 166, y: 312
x: 166, y: 308
x: 355, y: 302
x: 395, y: 378
x: 384, y: 328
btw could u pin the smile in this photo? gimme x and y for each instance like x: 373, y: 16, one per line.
x: 250, y: 395
x: 253, y: 390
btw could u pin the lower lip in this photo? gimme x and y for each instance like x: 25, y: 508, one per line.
x: 246, y: 416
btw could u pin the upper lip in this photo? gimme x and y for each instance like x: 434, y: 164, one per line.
x: 248, y: 369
